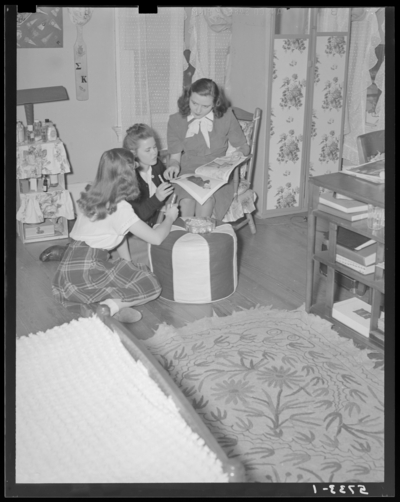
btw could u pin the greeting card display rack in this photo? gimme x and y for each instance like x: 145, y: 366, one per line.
x: 49, y: 203
x: 30, y: 163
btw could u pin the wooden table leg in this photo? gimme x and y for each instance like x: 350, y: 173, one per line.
x: 330, y: 282
x: 236, y: 181
x: 312, y: 224
x: 376, y: 299
x: 312, y: 231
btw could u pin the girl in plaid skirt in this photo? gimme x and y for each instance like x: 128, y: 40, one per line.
x: 86, y: 274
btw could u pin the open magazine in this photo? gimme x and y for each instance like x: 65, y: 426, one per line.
x: 371, y: 171
x: 208, y: 178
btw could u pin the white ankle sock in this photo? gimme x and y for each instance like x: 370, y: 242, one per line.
x: 112, y: 306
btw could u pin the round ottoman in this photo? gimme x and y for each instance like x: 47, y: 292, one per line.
x: 196, y: 268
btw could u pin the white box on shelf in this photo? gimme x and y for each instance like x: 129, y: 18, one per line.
x: 354, y: 313
x: 38, y: 229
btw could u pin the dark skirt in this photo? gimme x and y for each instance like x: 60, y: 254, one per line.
x: 88, y: 275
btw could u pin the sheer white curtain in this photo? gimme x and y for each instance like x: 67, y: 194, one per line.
x: 380, y: 106
x: 332, y: 19
x: 210, y: 33
x: 149, y: 66
x: 364, y: 38
x: 380, y: 76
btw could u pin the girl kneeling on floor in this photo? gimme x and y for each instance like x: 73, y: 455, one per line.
x: 86, y: 274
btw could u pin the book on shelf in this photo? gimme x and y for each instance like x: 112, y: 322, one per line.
x: 362, y: 258
x: 354, y: 265
x: 361, y: 269
x: 354, y: 313
x: 345, y: 205
x: 340, y: 214
x: 208, y: 178
x: 370, y: 171
x: 352, y: 240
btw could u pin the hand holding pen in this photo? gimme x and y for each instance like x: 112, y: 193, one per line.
x: 164, y: 190
x: 172, y: 209
x: 172, y: 200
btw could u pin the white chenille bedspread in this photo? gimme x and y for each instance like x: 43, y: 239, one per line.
x: 87, y: 412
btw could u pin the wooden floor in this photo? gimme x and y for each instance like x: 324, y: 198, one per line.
x: 272, y: 271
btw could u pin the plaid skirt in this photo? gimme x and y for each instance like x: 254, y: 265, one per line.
x: 88, y: 275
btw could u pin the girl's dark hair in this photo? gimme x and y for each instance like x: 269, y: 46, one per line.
x: 115, y: 181
x: 204, y: 87
x: 136, y: 133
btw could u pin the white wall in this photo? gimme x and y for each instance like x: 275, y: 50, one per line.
x: 83, y: 126
x: 249, y: 84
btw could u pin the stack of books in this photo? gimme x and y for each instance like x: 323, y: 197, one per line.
x: 355, y: 251
x: 356, y: 314
x: 342, y: 207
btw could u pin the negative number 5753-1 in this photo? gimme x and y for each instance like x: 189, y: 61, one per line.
x: 342, y: 489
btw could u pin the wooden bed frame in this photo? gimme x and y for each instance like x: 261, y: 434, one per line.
x: 139, y: 352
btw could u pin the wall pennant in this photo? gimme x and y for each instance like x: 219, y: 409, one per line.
x: 80, y: 16
x: 41, y: 29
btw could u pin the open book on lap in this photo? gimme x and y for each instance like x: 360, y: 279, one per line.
x: 208, y: 178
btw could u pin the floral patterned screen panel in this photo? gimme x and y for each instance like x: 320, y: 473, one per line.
x: 327, y: 104
x: 304, y: 136
x: 287, y: 122
x: 328, y: 94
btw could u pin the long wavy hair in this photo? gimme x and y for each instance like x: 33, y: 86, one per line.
x: 116, y: 180
x: 134, y: 135
x: 204, y: 87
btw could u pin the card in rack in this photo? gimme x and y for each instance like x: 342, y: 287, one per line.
x: 342, y: 197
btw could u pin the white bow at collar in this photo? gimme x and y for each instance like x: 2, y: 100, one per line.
x: 205, y: 125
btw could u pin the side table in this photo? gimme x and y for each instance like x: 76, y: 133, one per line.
x: 363, y: 191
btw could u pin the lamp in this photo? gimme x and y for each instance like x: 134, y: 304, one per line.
x: 29, y: 97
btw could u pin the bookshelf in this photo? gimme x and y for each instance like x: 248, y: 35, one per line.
x: 363, y: 191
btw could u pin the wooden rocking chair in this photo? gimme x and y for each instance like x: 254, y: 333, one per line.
x: 240, y: 212
x: 370, y: 144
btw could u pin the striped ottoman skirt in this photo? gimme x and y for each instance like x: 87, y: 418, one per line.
x: 196, y: 268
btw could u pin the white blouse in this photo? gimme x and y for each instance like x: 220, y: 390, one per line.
x: 107, y: 233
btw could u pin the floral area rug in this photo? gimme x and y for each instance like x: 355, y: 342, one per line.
x: 283, y: 393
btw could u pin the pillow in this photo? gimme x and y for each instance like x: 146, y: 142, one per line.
x: 247, y: 128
